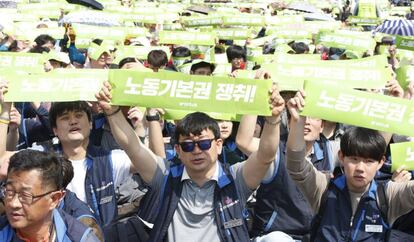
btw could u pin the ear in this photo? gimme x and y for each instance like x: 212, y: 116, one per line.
x: 381, y: 162
x: 177, y: 150
x: 55, y: 131
x: 219, y: 145
x: 341, y: 157
x: 56, y: 198
x: 322, y: 125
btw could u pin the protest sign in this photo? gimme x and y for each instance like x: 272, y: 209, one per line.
x: 185, y: 37
x: 190, y: 92
x: 244, y: 20
x: 173, y: 114
x: 360, y: 73
x: 70, y: 85
x: 359, y: 108
x: 404, y: 43
x: 404, y: 75
x: 30, y: 62
x: 345, y: 41
x: 402, y: 155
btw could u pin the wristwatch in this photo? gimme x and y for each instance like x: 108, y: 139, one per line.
x: 155, y: 117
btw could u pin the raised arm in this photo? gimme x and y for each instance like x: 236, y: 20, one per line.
x: 312, y: 182
x: 259, y: 162
x: 4, y: 118
x: 245, y: 139
x: 156, y: 141
x: 143, y: 160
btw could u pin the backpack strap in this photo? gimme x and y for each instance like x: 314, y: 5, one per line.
x: 316, y: 222
x: 382, y: 200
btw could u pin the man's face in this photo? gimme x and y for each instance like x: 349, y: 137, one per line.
x: 225, y: 128
x: 23, y: 215
x: 359, y: 171
x: 72, y: 126
x: 205, y: 71
x: 198, y: 160
x: 313, y: 128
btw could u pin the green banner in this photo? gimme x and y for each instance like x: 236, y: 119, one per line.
x: 183, y: 37
x: 402, y: 155
x: 139, y: 52
x: 234, y: 33
x: 69, y: 85
x: 360, y: 73
x: 364, y: 21
x: 172, y: 114
x: 190, y: 92
x: 203, y: 21
x: 282, y: 20
x: 244, y: 20
x: 84, y: 31
x: 404, y: 43
x: 345, y: 41
x: 359, y: 108
x: 404, y: 75
x: 29, y: 62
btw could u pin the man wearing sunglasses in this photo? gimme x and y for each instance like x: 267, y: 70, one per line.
x: 32, y: 191
x: 200, y: 199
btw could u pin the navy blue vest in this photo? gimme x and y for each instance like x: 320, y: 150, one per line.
x: 335, y: 222
x: 99, y: 182
x: 280, y: 205
x: 230, y: 220
x: 99, y: 185
x: 75, y: 207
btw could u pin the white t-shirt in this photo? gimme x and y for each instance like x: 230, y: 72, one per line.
x: 121, y: 170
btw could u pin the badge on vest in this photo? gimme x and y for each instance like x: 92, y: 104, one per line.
x: 233, y: 223
x: 106, y: 199
x: 373, y: 228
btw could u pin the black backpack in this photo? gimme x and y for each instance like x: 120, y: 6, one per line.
x: 129, y: 229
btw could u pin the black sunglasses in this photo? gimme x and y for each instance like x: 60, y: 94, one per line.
x: 189, y: 146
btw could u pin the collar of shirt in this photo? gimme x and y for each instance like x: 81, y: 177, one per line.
x: 185, y: 175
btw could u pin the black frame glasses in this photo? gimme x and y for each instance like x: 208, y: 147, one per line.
x: 24, y: 197
x: 189, y: 146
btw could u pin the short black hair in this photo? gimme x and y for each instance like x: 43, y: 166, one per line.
x: 67, y: 171
x: 181, y: 51
x: 46, y: 163
x: 235, y: 51
x: 157, y: 58
x: 58, y: 108
x: 202, y: 65
x: 43, y: 39
x: 300, y: 47
x: 363, y: 142
x: 195, y: 123
x: 126, y: 61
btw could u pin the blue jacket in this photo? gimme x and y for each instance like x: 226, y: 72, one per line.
x: 335, y: 222
x: 67, y: 229
x: 230, y: 220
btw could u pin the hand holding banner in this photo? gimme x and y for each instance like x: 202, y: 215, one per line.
x: 402, y: 155
x: 359, y: 108
x: 190, y: 92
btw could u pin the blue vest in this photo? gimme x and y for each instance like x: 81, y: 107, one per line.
x: 67, y: 229
x: 99, y: 185
x: 335, y: 222
x: 280, y: 205
x: 99, y: 182
x: 230, y: 220
x: 322, y: 159
x: 75, y: 207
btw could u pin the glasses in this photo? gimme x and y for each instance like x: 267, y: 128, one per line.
x: 204, y: 144
x: 24, y: 197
